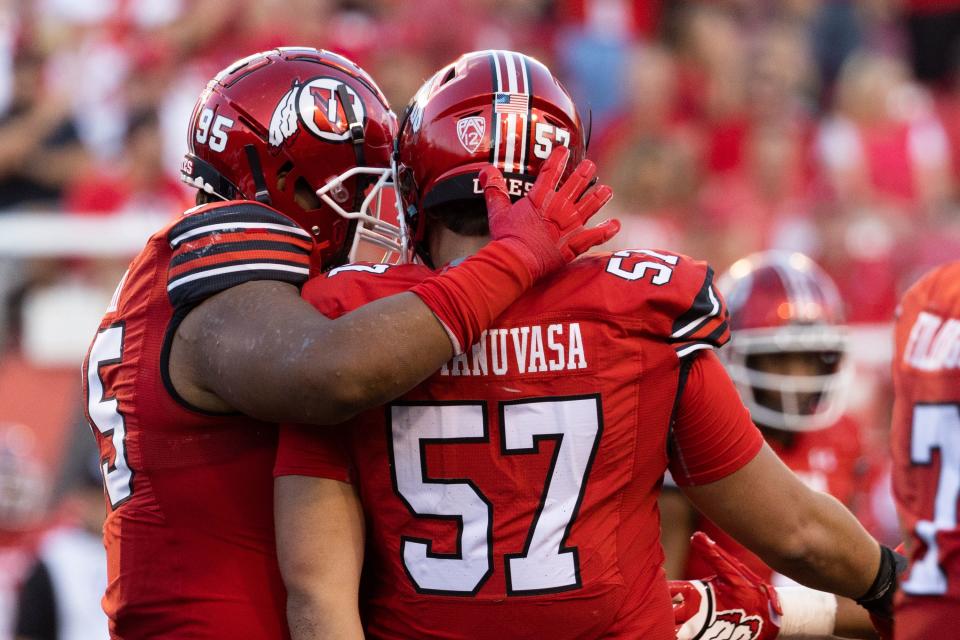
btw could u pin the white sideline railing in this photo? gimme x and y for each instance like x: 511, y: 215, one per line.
x: 58, y: 235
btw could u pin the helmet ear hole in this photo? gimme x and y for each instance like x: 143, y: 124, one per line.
x: 282, y: 175
x: 305, y: 196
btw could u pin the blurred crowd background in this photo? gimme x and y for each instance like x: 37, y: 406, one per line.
x: 725, y: 127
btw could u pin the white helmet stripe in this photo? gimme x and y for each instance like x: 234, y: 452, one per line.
x: 513, y: 73
x: 786, y: 281
x: 495, y: 116
x: 803, y: 285
x: 526, y: 118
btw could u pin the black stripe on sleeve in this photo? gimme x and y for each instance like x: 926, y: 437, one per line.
x: 682, y: 375
x: 190, y: 294
x: 247, y: 212
x: 721, y: 335
x: 228, y: 247
x: 233, y: 263
x: 701, y: 306
x: 717, y: 338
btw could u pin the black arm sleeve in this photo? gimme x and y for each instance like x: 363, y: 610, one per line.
x: 37, y: 610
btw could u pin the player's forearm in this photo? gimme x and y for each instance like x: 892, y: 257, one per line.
x: 676, y: 514
x: 312, y: 616
x: 387, y: 347
x: 829, y: 550
x: 372, y: 355
x: 806, y: 535
x: 853, y: 621
x: 320, y: 543
x: 260, y: 349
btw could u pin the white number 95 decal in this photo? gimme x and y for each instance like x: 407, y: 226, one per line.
x: 215, y: 134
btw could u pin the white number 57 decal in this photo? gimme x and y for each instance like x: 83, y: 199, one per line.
x: 661, y: 271
x: 545, y: 564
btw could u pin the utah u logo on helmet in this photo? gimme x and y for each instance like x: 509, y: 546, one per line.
x: 317, y: 105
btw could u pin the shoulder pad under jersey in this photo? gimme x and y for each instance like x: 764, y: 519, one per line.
x: 216, y: 247
x: 672, y: 295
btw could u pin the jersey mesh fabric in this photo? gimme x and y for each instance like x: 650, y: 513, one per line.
x: 926, y: 436
x: 189, y: 529
x: 616, y: 381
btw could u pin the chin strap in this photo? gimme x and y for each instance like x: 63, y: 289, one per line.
x: 424, y: 254
x: 586, y: 143
x: 410, y: 214
x: 256, y: 171
x: 356, y: 127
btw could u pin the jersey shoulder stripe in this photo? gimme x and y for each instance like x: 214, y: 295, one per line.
x: 705, y: 324
x: 211, y: 248
x: 705, y: 306
x: 666, y: 296
x: 218, y: 247
x: 232, y: 217
x: 207, y: 266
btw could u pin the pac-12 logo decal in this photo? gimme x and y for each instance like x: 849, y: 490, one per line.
x: 470, y: 131
x: 316, y: 105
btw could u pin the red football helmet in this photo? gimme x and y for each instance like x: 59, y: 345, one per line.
x: 499, y: 107
x: 294, y: 119
x: 787, y: 353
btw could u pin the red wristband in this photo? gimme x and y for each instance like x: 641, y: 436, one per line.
x: 467, y: 298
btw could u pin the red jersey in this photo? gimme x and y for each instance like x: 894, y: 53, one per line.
x: 525, y: 473
x: 926, y: 453
x: 828, y: 460
x: 189, y: 529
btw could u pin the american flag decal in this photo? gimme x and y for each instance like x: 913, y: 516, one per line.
x: 512, y: 103
x: 510, y: 125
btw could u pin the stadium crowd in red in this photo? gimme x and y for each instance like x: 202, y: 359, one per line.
x: 725, y: 126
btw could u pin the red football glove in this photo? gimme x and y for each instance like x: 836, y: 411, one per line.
x: 545, y: 229
x: 734, y: 604
x: 533, y: 237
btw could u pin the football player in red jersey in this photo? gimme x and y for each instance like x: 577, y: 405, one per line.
x: 289, y: 150
x: 925, y: 439
x: 787, y: 357
x: 513, y: 494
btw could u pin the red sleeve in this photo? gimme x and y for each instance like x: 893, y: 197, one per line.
x: 713, y: 434
x: 216, y: 247
x: 677, y: 300
x: 313, y: 451
x: 704, y: 322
